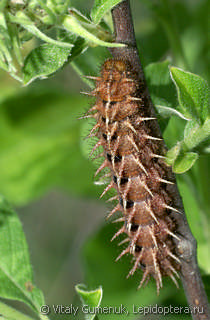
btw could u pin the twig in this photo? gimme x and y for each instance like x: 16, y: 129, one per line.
x: 187, y: 247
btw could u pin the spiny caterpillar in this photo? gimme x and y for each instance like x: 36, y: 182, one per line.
x: 134, y: 153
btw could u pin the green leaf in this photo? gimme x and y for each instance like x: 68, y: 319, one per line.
x: 101, y: 7
x: 43, y: 61
x: 16, y: 44
x: 16, y: 276
x: 50, y: 18
x: 6, y: 46
x: 79, y: 16
x: 167, y: 112
x: 193, y: 94
x: 3, y: 20
x: 71, y: 24
x: 11, y: 314
x: 80, y: 46
x: 90, y: 298
x: 184, y: 162
x: 3, y: 4
x: 3, y: 64
x: 195, y: 134
x: 173, y: 153
x: 23, y: 20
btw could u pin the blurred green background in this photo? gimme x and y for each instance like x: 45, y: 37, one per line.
x: 47, y: 176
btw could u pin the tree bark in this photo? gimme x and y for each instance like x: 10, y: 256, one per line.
x: 187, y: 247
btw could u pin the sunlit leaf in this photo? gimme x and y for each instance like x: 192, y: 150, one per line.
x: 184, y: 162
x: 193, y: 94
x: 43, y: 61
x: 90, y: 298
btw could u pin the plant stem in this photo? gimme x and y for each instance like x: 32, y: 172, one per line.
x: 186, y: 247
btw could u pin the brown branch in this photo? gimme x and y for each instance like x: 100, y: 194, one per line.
x: 186, y: 248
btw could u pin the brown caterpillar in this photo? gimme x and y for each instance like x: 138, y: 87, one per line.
x: 135, y: 156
